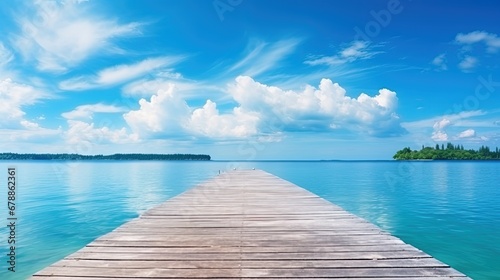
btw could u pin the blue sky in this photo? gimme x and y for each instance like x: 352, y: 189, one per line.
x: 243, y: 79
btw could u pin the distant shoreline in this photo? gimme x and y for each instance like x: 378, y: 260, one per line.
x: 76, y: 157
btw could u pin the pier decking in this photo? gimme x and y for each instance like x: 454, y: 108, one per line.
x: 248, y: 224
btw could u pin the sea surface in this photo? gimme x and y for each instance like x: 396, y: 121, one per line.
x: 451, y: 210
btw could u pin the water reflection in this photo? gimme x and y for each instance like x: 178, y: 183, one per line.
x: 440, y: 177
x: 469, y: 177
x: 79, y: 182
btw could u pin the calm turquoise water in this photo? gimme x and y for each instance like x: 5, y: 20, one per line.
x: 451, y: 210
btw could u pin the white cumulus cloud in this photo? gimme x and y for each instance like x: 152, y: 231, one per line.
x: 207, y: 121
x: 467, y: 133
x: 320, y: 108
x: 164, y: 114
x: 264, y: 110
x: 167, y: 114
x: 439, y: 133
x: 442, y: 124
x: 439, y: 136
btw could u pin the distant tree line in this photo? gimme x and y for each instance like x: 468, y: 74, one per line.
x: 448, y: 152
x: 14, y: 156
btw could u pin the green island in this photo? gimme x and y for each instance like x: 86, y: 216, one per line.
x: 448, y: 152
x: 15, y: 156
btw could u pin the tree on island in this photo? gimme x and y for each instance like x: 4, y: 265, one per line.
x: 450, y: 152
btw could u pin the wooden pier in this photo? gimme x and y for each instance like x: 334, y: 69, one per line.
x: 248, y: 224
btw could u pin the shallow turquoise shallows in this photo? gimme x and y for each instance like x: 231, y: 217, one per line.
x: 450, y: 210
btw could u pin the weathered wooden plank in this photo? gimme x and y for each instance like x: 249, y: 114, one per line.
x: 277, y: 232
x: 247, y: 240
x: 185, y: 264
x: 167, y: 273
x: 248, y: 225
x: 167, y: 243
x: 348, y: 272
x: 239, y: 278
x: 238, y: 249
x: 250, y: 256
x: 295, y: 224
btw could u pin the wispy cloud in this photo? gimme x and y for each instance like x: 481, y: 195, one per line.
x: 262, y: 57
x: 255, y: 51
x: 468, y: 63
x: 32, y: 135
x: 340, y: 72
x: 83, y: 134
x: 6, y: 55
x: 491, y: 40
x: 87, y: 111
x: 440, y: 62
x: 356, y: 50
x: 147, y: 87
x: 120, y: 74
x: 13, y: 97
x: 61, y: 34
x: 453, y: 127
x: 453, y: 118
